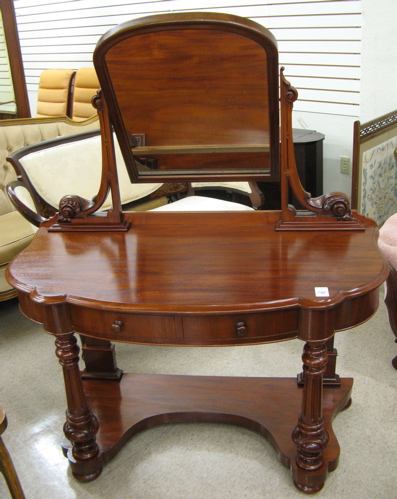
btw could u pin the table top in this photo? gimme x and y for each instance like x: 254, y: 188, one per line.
x: 201, y: 263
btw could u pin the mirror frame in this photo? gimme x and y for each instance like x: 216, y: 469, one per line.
x: 167, y: 22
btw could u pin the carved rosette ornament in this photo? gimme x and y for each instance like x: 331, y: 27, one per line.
x: 97, y: 100
x: 70, y: 206
x: 291, y: 94
x: 335, y: 204
x: 338, y: 205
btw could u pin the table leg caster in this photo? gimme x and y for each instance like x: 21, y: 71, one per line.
x: 85, y: 471
x: 309, y: 483
x: 307, y: 489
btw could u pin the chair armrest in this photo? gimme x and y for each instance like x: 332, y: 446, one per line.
x: 71, y: 165
x: 21, y: 199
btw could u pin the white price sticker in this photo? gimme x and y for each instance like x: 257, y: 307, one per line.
x: 321, y: 292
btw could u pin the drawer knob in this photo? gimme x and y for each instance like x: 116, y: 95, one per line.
x: 117, y: 326
x: 241, y: 329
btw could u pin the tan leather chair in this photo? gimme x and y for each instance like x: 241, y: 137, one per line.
x: 86, y: 85
x: 54, y: 92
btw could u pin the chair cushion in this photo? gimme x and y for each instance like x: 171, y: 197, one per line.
x: 388, y: 240
x: 201, y: 203
x: 240, y: 186
x: 16, y: 233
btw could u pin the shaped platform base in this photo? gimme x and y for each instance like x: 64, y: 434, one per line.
x: 269, y: 406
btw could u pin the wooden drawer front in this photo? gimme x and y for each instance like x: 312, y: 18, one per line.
x: 125, y: 327
x: 244, y: 328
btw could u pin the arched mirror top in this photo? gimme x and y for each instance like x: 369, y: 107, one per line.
x: 193, y: 97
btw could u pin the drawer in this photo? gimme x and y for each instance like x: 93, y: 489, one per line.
x: 140, y: 328
x: 240, y: 328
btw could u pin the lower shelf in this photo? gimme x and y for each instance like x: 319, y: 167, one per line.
x: 269, y: 406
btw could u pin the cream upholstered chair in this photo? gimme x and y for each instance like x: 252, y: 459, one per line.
x: 77, y: 161
x: 15, y: 232
x: 54, y: 92
x: 86, y: 85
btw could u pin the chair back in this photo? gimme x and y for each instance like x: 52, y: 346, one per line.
x: 54, y: 92
x: 86, y: 85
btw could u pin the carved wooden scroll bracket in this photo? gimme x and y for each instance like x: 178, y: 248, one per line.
x: 327, y: 212
x: 79, y: 214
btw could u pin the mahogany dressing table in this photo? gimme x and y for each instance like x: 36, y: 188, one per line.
x: 192, y: 97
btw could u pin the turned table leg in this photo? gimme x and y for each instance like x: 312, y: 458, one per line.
x: 316, y: 328
x: 330, y: 378
x: 100, y: 359
x: 310, y: 436
x: 81, y: 425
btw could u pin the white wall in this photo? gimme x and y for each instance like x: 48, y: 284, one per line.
x: 338, y: 131
x: 379, y: 59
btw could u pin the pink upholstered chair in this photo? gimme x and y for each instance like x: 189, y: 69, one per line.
x: 388, y: 245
